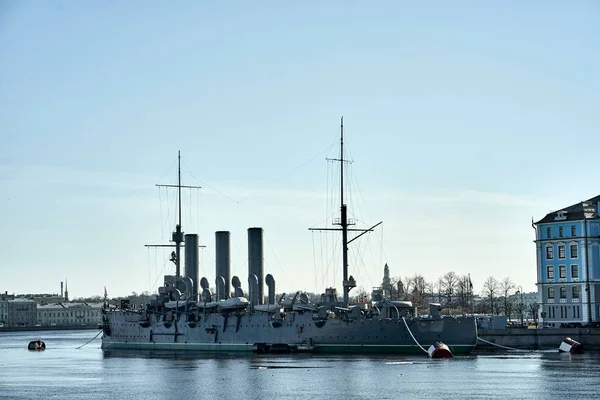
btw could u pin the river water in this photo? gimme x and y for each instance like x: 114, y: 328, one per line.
x: 65, y: 370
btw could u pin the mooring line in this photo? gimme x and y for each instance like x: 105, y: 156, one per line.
x: 89, y: 341
x: 504, y: 347
x: 413, y: 337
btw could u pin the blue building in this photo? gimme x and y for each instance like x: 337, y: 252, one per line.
x: 568, y: 264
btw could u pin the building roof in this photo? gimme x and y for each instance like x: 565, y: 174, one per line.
x: 587, y: 209
x: 70, y: 306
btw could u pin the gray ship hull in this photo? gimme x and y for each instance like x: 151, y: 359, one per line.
x: 299, y: 331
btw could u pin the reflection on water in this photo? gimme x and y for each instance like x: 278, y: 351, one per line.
x: 63, y: 371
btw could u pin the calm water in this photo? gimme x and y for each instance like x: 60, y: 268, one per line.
x: 64, y: 371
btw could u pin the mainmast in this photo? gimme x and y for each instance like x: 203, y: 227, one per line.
x: 348, y: 284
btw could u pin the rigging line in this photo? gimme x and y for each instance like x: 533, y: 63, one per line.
x: 274, y: 256
x: 149, y: 271
x: 381, y: 247
x: 219, y: 192
x: 162, y: 228
x: 287, y: 173
x: 314, y: 259
x: 168, y: 170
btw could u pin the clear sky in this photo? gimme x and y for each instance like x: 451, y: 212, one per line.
x: 464, y: 120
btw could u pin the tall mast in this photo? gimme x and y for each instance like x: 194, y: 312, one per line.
x: 344, y: 222
x: 178, y: 235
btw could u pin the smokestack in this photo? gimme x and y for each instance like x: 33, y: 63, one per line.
x: 192, y: 265
x: 255, y: 259
x: 61, y: 289
x: 223, y: 259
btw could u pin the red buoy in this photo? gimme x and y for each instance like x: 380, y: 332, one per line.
x: 439, y: 350
x: 569, y: 345
x: 37, y: 345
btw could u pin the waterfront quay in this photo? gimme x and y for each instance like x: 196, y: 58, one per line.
x: 538, y: 339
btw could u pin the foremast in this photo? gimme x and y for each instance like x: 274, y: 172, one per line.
x: 178, y: 235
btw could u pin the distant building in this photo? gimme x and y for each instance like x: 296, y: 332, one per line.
x: 69, y: 314
x: 568, y: 264
x: 3, y: 311
x: 16, y: 311
x: 48, y: 298
x: 531, y: 301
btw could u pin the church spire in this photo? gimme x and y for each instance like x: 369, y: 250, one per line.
x: 386, y: 284
x: 66, y: 290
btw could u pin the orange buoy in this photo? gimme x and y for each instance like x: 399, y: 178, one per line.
x: 439, y: 350
x: 37, y: 345
x: 569, y: 345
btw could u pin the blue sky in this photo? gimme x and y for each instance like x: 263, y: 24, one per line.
x: 463, y: 119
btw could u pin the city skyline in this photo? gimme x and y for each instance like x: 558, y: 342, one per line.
x: 463, y: 121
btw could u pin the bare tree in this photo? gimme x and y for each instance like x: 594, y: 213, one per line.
x: 506, y: 286
x: 463, y: 292
x: 509, y: 308
x: 449, y: 282
x: 533, y: 308
x: 430, y: 290
x: 360, y: 296
x: 416, y: 287
x: 439, y: 286
x: 490, y: 291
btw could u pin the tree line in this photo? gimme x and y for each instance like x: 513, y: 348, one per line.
x: 454, y: 292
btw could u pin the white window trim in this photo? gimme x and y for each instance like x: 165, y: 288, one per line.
x: 558, y: 251
x: 565, y: 268
x: 546, y: 251
x: 575, y: 277
x: 548, y: 272
x: 573, y: 244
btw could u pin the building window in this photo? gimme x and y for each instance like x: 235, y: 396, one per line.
x: 562, y: 250
x: 560, y: 231
x: 575, y: 271
x: 549, y: 253
x: 563, y: 292
x: 573, y: 230
x: 550, y: 292
x: 573, y: 249
x: 562, y: 271
x: 575, y: 292
x: 548, y: 233
x: 550, y: 270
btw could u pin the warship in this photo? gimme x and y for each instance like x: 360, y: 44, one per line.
x: 186, y: 315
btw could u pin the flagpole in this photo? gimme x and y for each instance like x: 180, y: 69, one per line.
x: 471, y: 294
